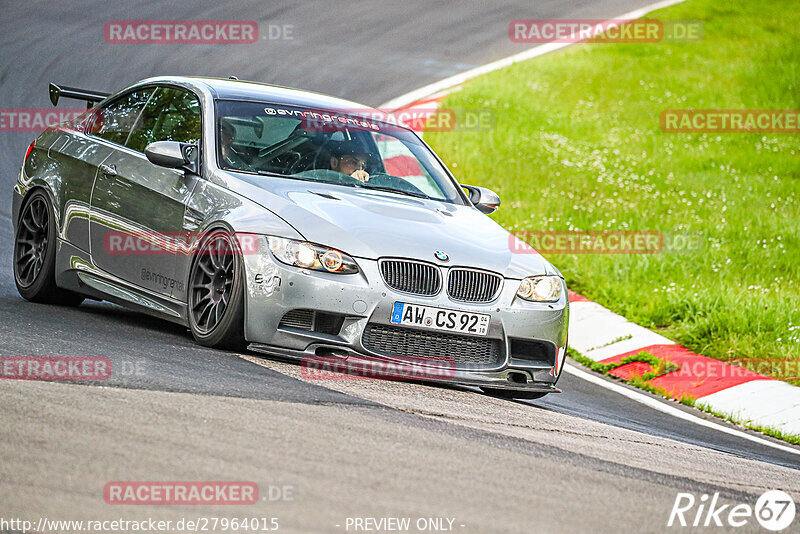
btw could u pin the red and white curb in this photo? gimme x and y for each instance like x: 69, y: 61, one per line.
x: 743, y: 395
x: 601, y: 335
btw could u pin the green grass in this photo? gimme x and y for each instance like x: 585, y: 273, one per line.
x: 577, y: 146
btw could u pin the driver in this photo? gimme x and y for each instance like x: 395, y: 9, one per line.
x: 350, y: 161
x: 230, y: 158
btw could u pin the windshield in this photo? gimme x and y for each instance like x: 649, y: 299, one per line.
x: 328, y: 147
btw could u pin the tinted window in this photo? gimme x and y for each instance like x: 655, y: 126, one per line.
x: 171, y: 115
x: 114, y: 121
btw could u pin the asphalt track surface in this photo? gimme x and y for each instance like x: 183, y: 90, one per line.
x: 586, y: 459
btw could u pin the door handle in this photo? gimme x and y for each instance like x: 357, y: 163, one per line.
x: 108, y: 170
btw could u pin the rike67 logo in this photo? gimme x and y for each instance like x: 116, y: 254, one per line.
x: 774, y: 510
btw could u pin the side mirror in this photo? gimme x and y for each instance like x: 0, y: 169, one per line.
x: 172, y: 154
x: 486, y: 200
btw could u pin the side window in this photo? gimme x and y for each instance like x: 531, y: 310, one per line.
x: 171, y: 115
x: 114, y: 121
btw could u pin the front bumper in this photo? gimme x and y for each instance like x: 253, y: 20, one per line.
x: 274, y: 289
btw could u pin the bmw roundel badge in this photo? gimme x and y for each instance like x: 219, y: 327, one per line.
x: 441, y: 256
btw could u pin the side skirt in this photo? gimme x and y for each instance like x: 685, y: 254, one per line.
x: 76, y: 272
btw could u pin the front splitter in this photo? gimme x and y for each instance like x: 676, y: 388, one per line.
x: 349, y: 364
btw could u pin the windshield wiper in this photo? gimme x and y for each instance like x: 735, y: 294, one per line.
x: 393, y: 190
x: 357, y: 185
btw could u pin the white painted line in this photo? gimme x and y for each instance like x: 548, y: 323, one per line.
x: 671, y: 410
x: 458, y: 79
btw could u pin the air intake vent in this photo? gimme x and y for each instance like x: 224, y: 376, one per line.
x: 300, y: 319
x: 411, y: 277
x: 313, y: 321
x: 469, y: 285
x: 534, y: 351
x: 468, y: 352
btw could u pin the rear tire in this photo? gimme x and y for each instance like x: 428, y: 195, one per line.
x: 35, y: 254
x: 513, y: 394
x: 216, y: 293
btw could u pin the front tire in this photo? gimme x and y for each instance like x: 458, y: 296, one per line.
x: 216, y: 293
x: 35, y: 254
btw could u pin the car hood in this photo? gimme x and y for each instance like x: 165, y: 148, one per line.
x: 375, y: 224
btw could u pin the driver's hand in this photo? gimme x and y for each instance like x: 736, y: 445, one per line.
x: 360, y: 175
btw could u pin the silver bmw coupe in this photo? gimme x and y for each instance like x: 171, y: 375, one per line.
x: 286, y: 222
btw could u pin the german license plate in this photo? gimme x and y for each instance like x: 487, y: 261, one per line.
x: 440, y: 319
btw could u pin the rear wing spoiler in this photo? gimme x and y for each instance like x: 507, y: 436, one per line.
x: 91, y: 97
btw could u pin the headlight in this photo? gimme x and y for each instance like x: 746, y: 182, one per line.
x: 540, y: 288
x: 311, y: 256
